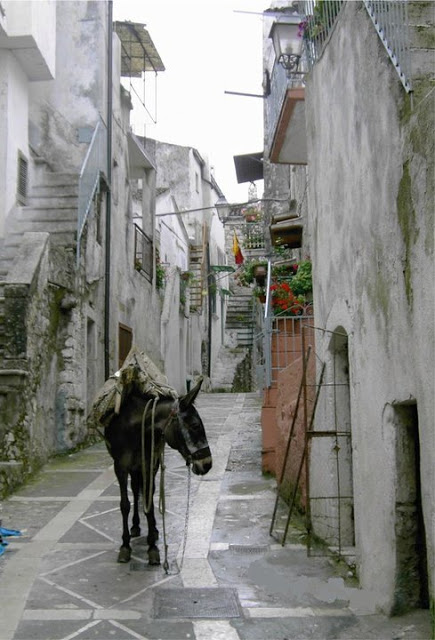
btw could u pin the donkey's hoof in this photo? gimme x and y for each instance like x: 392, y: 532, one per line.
x: 124, y: 555
x: 153, y: 556
x: 135, y: 532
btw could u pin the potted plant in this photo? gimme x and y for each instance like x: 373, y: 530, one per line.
x: 302, y: 282
x: 252, y: 213
x: 260, y: 294
x: 251, y: 270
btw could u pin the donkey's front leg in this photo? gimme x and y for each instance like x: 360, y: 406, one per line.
x: 136, y: 482
x: 153, y: 534
x: 125, y: 549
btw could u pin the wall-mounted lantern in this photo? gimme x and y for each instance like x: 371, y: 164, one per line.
x: 287, y: 42
x: 223, y: 209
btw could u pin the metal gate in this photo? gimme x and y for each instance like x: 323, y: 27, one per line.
x: 326, y: 458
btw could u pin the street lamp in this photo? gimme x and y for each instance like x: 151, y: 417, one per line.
x: 223, y: 209
x: 287, y: 42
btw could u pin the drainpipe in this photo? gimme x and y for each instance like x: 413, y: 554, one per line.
x: 209, y: 328
x: 109, y: 193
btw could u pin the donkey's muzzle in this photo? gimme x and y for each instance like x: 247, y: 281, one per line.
x: 201, y: 461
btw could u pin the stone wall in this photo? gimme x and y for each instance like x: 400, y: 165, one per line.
x: 42, y: 381
x: 371, y: 165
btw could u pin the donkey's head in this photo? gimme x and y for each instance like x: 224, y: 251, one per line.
x: 186, y: 433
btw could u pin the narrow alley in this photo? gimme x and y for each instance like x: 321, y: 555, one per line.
x: 60, y: 580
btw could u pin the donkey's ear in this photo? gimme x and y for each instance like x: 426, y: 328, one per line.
x: 190, y: 397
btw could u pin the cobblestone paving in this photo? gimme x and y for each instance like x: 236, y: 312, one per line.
x: 60, y: 579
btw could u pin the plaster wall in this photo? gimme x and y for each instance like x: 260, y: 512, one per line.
x: 185, y: 177
x: 371, y: 227
x: 78, y: 97
x: 13, y: 129
x: 174, y: 243
x: 135, y: 302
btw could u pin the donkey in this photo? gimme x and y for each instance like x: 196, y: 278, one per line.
x: 135, y: 438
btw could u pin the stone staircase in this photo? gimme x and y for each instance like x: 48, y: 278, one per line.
x: 52, y: 208
x: 239, y: 320
x: 196, y: 285
x: 233, y: 368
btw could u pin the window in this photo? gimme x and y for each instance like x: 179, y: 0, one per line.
x: 125, y: 340
x: 143, y: 253
x: 22, y: 178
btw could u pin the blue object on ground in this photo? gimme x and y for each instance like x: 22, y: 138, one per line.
x: 4, y: 533
x: 9, y: 532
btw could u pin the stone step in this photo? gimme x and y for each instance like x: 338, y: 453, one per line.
x: 55, y: 214
x: 56, y: 201
x: 422, y: 63
x: 53, y: 190
x: 421, y: 13
x: 59, y: 179
x: 239, y: 309
x: 421, y: 37
x: 54, y: 226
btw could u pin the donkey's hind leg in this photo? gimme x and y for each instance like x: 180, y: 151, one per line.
x: 125, y: 549
x: 136, y: 481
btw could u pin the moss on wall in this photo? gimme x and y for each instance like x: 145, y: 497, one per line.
x: 242, y: 381
x: 407, y: 222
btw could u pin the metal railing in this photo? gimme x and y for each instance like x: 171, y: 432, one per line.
x: 143, y: 253
x: 279, y: 343
x: 390, y: 18
x: 253, y: 236
x: 94, y: 164
x: 317, y: 23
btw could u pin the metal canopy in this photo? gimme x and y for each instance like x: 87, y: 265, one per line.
x: 138, y: 53
x: 249, y: 167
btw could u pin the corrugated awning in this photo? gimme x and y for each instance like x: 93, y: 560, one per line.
x: 249, y: 167
x: 138, y: 53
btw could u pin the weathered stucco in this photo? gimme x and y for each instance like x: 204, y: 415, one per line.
x: 371, y: 167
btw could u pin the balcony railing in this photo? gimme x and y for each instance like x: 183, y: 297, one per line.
x: 390, y: 18
x: 94, y: 164
x: 317, y: 23
x: 253, y: 236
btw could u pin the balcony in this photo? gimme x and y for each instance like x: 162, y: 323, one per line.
x: 286, y: 230
x: 285, y: 118
x: 26, y: 29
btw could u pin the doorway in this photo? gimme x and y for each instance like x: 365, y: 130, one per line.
x: 411, y: 589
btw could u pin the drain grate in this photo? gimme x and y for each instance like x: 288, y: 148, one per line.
x: 212, y: 602
x: 248, y: 550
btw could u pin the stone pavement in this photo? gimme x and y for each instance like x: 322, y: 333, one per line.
x: 60, y: 579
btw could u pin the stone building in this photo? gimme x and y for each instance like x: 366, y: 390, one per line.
x: 80, y: 252
x: 362, y: 102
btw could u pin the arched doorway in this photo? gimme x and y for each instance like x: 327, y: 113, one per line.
x: 331, y: 504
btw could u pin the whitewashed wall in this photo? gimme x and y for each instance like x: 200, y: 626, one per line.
x: 371, y: 228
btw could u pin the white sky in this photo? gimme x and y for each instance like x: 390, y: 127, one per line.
x: 207, y: 48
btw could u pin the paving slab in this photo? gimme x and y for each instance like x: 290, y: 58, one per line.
x: 228, y: 578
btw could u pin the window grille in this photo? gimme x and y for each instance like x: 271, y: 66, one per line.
x: 22, y: 178
x: 143, y: 253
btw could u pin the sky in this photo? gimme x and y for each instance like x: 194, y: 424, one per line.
x: 208, y: 47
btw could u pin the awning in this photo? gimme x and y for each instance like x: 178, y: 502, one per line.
x: 138, y: 53
x: 249, y: 167
x: 138, y: 158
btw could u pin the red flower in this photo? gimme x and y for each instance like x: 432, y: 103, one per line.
x: 283, y: 298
